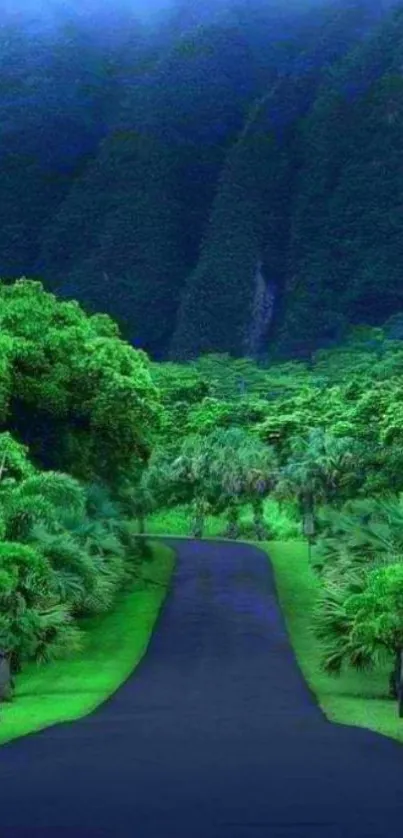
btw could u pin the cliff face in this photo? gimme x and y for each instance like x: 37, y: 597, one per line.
x: 345, y: 246
x: 192, y: 184
x: 314, y: 188
x: 140, y: 210
x: 249, y: 224
x: 232, y: 185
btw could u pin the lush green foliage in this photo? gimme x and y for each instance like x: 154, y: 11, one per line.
x: 206, y: 441
x: 357, y: 696
x: 153, y: 186
x: 80, y: 414
x: 68, y: 558
x: 331, y: 434
x: 69, y: 378
x: 95, y: 439
x: 112, y: 645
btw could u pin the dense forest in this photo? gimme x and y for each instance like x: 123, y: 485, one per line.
x: 223, y: 206
x: 100, y: 445
x: 191, y: 179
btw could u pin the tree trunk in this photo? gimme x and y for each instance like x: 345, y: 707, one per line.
x: 197, y: 527
x: 141, y: 522
x: 15, y: 663
x: 198, y: 522
x: 260, y: 528
x: 400, y: 686
x: 394, y: 676
x: 232, y: 530
x: 6, y: 680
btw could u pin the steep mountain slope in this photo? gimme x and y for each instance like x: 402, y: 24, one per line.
x: 227, y: 303
x: 58, y: 96
x: 305, y: 234
x: 139, y: 212
x: 142, y: 220
x: 346, y: 245
x: 206, y: 181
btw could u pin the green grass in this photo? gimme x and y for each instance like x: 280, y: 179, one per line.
x: 72, y: 688
x: 283, y: 522
x: 114, y: 644
x: 353, y: 698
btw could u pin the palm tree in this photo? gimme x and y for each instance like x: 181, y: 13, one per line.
x: 100, y: 505
x: 85, y: 549
x: 21, y: 513
x: 364, y: 532
x: 243, y: 470
x: 365, y: 627
x: 60, y: 489
x: 39, y: 498
x: 189, y: 478
x: 320, y: 468
x: 217, y: 471
x: 33, y: 623
x: 136, y: 499
x: 74, y: 571
x: 365, y: 538
x: 100, y: 542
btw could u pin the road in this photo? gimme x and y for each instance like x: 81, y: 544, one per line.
x: 215, y: 735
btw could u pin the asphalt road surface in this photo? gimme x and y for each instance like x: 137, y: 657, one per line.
x: 215, y: 735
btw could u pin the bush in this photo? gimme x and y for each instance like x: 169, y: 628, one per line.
x: 33, y: 623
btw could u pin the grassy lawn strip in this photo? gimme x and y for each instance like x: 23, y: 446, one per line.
x: 354, y: 698
x: 177, y: 521
x: 115, y: 643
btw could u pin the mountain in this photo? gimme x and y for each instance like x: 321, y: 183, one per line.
x: 345, y: 247
x: 225, y: 179
x: 58, y: 95
x: 255, y: 285
x: 129, y: 232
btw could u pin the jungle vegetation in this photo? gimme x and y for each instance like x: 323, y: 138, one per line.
x: 97, y: 440
x: 193, y: 158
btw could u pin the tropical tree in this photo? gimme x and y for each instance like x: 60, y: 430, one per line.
x: 73, y: 570
x: 365, y: 532
x: 246, y: 472
x: 38, y: 498
x: 362, y: 628
x: 364, y: 537
x: 137, y: 499
x: 33, y: 622
x: 90, y: 392
x: 190, y: 477
x: 321, y: 469
x: 100, y: 546
x: 217, y: 472
x: 14, y: 460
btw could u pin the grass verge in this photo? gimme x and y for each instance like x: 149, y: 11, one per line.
x: 115, y: 643
x: 283, y: 521
x: 353, y: 698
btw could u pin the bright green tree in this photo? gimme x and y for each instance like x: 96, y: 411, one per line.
x: 321, y: 469
x: 363, y: 537
x: 216, y: 472
x: 83, y: 396
x: 33, y: 622
x: 362, y: 628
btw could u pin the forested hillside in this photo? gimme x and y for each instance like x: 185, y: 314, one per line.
x: 192, y: 179
x: 304, y: 234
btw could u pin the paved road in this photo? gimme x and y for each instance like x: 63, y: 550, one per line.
x: 214, y: 736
